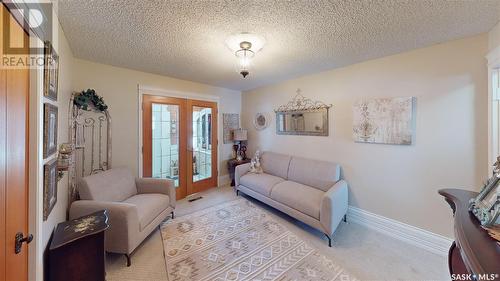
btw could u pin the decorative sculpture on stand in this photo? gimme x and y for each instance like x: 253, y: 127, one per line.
x: 255, y: 164
x: 90, y: 136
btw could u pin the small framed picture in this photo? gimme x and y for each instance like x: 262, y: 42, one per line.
x: 51, y: 72
x: 49, y: 130
x: 261, y: 121
x: 49, y: 187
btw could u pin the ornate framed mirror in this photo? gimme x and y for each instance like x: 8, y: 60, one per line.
x: 302, y: 116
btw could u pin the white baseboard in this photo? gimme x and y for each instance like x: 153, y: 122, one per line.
x: 224, y: 180
x: 421, y: 238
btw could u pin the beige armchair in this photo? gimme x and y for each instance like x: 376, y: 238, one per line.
x: 136, y: 206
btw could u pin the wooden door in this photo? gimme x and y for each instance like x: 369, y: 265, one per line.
x: 14, y: 89
x: 202, y: 145
x: 164, y: 140
x: 168, y: 147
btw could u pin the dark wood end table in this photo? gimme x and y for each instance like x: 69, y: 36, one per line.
x: 231, y: 166
x: 77, y: 249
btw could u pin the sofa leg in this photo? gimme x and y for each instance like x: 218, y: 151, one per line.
x: 172, y: 214
x: 345, y: 218
x: 329, y: 240
x: 237, y: 192
x: 128, y: 259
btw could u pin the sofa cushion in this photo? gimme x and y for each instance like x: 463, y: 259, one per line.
x: 315, y: 173
x: 261, y: 183
x: 275, y: 164
x: 114, y: 185
x: 149, y: 206
x: 302, y: 198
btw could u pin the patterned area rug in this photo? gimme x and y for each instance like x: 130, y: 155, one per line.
x: 238, y: 240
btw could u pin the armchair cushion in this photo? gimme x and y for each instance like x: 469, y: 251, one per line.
x: 149, y: 206
x: 154, y: 185
x: 116, y: 184
x: 300, y: 197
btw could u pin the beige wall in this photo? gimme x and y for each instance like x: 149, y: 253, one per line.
x: 494, y: 37
x: 119, y: 88
x: 399, y: 182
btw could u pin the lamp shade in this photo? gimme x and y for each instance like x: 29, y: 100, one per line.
x: 240, y: 135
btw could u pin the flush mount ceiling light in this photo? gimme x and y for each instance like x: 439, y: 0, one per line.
x: 244, y: 46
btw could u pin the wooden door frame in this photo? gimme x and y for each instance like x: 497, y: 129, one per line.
x: 147, y: 90
x: 181, y: 191
x: 14, y: 174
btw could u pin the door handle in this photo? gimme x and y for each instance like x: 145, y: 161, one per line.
x: 20, y: 239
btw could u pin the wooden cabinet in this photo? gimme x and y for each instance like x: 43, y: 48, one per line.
x: 77, y: 249
x: 473, y: 252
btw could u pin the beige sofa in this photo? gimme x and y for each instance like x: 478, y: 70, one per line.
x: 308, y: 190
x: 136, y: 206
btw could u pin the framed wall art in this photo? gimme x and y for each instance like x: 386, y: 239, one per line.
x: 49, y: 187
x: 51, y: 72
x: 261, y: 121
x: 230, y: 122
x: 384, y: 120
x: 49, y: 130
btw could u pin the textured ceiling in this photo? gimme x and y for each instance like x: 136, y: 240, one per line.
x: 186, y: 39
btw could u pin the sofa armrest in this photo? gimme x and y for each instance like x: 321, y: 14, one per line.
x: 123, y: 222
x: 240, y: 171
x: 334, y: 206
x: 153, y: 185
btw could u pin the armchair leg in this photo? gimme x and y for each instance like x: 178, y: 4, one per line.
x: 172, y: 214
x: 237, y: 192
x: 128, y: 259
x: 345, y: 218
x: 329, y: 240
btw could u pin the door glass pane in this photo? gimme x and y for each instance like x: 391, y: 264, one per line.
x: 165, y: 141
x: 202, y: 143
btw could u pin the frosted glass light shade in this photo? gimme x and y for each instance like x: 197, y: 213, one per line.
x: 233, y: 42
x: 240, y: 135
x: 244, y: 61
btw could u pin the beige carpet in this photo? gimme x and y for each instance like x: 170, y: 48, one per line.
x: 367, y: 254
x: 238, y: 240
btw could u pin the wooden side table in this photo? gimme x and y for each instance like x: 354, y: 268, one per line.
x: 231, y: 166
x: 77, y: 249
x: 473, y: 252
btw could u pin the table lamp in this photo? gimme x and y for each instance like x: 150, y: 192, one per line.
x: 240, y: 136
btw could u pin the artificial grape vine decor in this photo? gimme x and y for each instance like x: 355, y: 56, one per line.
x: 85, y: 98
